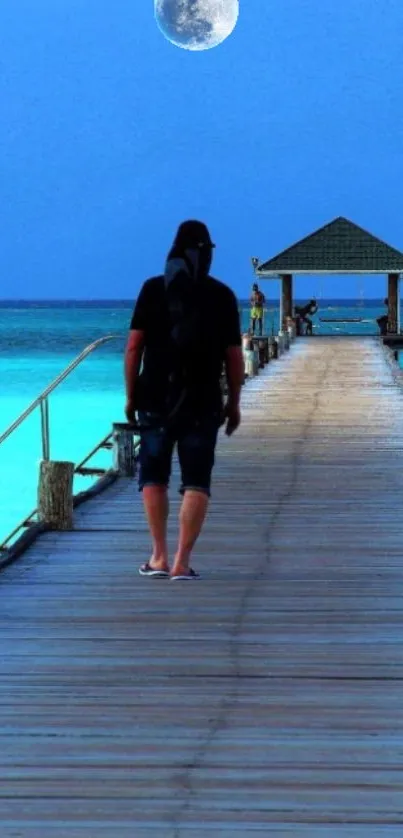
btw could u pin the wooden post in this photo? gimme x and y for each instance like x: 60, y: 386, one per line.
x: 273, y: 348
x: 248, y: 357
x: 393, y: 301
x: 290, y: 328
x: 261, y: 345
x: 281, y: 312
x: 55, y: 494
x: 286, y: 294
x: 124, y: 457
x: 256, y: 360
x: 280, y: 344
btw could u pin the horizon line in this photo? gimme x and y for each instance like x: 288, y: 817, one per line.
x: 130, y: 300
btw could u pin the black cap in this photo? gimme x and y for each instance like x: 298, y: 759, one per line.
x: 193, y: 234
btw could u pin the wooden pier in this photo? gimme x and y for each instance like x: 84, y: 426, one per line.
x: 266, y: 698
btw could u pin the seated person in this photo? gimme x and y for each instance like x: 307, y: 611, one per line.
x: 383, y: 320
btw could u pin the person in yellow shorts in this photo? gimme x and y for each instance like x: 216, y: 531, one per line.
x: 257, y: 302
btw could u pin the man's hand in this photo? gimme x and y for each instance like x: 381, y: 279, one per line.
x: 235, y: 370
x: 232, y: 414
x: 130, y: 411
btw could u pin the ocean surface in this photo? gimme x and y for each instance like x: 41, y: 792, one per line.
x: 39, y: 339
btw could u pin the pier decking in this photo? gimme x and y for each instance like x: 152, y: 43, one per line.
x: 266, y: 698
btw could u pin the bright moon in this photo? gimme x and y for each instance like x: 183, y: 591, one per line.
x: 196, y: 24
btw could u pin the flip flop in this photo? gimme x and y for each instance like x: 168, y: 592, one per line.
x: 147, y: 570
x: 184, y: 577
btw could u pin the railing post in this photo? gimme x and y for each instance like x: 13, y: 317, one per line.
x: 263, y: 351
x: 247, y: 352
x: 260, y: 345
x: 273, y: 348
x: 45, y: 429
x: 251, y: 364
x: 256, y: 359
x: 55, y: 494
x: 124, y: 455
x: 393, y: 303
x: 280, y: 344
x: 290, y: 327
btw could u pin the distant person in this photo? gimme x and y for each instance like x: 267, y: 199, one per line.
x: 185, y: 326
x: 383, y: 320
x: 257, y: 302
x: 301, y: 313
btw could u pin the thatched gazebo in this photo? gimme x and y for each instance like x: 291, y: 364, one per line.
x: 340, y: 247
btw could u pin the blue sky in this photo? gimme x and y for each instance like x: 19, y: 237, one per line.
x: 110, y: 136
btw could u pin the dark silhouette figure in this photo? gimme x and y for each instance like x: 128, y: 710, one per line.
x: 383, y: 320
x: 185, y: 326
x: 301, y: 316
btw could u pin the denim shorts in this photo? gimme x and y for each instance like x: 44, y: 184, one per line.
x: 196, y: 442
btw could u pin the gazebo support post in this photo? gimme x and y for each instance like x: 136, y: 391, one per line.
x: 286, y: 300
x: 393, y: 304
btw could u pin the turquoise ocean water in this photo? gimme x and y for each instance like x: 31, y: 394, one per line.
x: 38, y: 340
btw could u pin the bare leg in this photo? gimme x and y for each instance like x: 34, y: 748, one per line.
x: 156, y: 505
x: 191, y: 519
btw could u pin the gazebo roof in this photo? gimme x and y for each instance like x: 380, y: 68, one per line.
x: 340, y: 247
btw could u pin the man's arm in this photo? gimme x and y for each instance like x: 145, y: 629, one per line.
x: 234, y: 365
x: 234, y: 368
x: 133, y: 356
x: 134, y: 350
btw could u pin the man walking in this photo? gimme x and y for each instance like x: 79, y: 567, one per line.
x: 185, y: 326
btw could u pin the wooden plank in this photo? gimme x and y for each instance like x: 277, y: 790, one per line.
x: 267, y: 697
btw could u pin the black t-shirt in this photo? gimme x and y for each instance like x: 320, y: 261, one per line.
x: 220, y: 316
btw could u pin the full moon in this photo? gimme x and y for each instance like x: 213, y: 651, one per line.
x: 196, y: 24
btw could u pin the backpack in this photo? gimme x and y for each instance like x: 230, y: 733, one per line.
x: 187, y: 332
